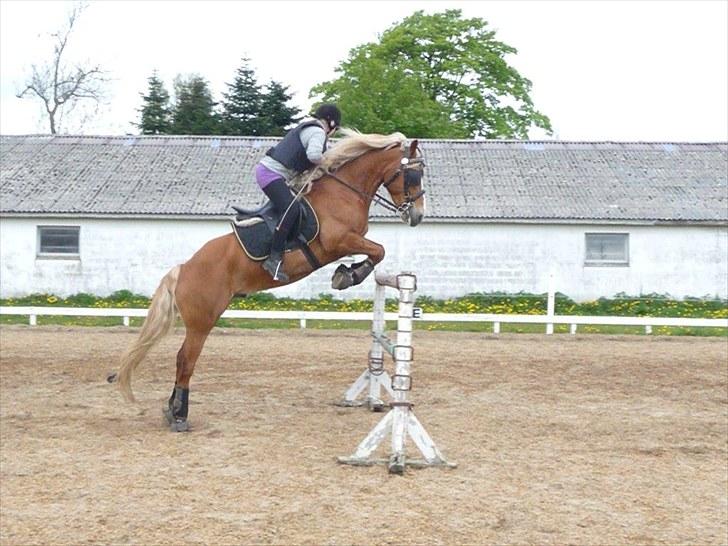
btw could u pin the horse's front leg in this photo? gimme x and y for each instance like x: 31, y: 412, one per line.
x: 346, y: 276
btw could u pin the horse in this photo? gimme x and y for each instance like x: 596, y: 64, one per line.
x: 340, y: 192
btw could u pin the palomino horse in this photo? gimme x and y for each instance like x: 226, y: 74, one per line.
x: 201, y: 288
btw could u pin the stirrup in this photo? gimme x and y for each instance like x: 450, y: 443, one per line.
x: 274, y: 266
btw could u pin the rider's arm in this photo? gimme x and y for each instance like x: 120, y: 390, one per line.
x: 313, y: 139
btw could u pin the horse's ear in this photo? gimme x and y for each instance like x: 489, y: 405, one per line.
x: 413, y: 148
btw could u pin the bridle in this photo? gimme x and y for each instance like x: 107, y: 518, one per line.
x: 411, y: 169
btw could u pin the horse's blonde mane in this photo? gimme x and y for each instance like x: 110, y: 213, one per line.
x: 355, y: 144
x: 351, y: 146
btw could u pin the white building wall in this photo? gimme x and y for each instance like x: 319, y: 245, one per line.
x: 449, y: 259
x: 456, y: 259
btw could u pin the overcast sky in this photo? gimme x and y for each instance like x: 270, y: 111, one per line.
x: 601, y: 70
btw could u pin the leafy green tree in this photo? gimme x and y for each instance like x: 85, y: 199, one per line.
x: 437, y: 76
x: 242, y: 104
x: 274, y: 109
x: 156, y: 114
x: 194, y: 108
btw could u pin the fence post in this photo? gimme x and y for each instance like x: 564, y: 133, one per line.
x: 550, y: 305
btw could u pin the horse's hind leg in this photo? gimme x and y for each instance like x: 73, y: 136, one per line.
x: 177, y: 408
x: 203, y: 292
x: 200, y: 305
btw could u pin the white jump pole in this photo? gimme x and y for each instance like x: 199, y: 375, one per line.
x: 375, y: 376
x: 400, y: 422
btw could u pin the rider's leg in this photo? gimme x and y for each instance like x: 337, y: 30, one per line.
x: 282, y: 199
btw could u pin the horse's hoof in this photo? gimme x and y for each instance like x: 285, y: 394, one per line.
x: 342, y: 278
x: 175, y: 425
x: 179, y: 426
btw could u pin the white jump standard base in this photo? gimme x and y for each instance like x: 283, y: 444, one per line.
x: 375, y: 382
x: 400, y: 422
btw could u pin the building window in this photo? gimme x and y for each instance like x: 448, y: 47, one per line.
x: 58, y: 241
x: 606, y: 249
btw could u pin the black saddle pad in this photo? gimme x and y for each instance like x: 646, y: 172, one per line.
x: 255, y: 230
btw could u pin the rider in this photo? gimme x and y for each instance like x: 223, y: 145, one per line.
x: 301, y: 149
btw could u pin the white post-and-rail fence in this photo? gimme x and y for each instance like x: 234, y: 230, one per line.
x: 400, y: 422
x: 548, y: 319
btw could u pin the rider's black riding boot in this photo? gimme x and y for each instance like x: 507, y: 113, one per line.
x: 274, y: 266
x: 278, y: 192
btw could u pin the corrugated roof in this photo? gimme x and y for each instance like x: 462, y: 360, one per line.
x: 490, y: 180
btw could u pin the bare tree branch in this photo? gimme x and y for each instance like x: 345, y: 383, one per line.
x: 59, y: 86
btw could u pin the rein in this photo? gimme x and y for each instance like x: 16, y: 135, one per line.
x: 377, y: 198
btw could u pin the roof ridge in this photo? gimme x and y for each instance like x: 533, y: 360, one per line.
x: 438, y: 140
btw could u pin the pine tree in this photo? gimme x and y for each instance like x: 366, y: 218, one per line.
x: 275, y: 113
x: 241, y: 107
x: 155, y: 111
x: 194, y: 109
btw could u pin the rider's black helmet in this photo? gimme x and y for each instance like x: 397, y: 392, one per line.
x: 329, y: 112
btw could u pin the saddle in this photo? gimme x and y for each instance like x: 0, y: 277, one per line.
x: 254, y: 229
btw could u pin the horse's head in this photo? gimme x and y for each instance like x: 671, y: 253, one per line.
x: 405, y: 186
x: 399, y: 169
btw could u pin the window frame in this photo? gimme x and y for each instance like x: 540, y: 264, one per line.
x: 57, y: 255
x: 605, y: 262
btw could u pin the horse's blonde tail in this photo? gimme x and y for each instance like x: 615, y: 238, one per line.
x: 158, y: 323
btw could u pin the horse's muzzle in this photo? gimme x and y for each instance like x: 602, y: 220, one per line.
x: 412, y: 216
